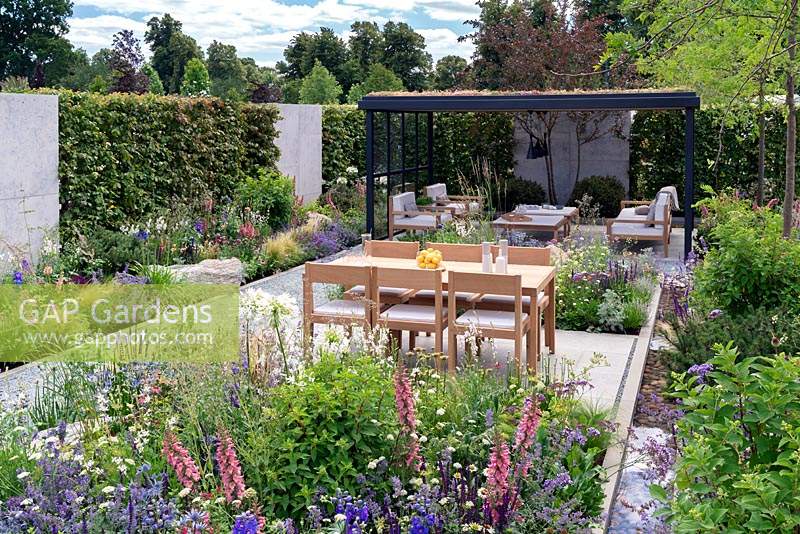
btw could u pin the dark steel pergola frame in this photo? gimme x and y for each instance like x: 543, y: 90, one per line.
x: 419, y: 103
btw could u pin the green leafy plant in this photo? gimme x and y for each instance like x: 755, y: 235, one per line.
x: 606, y: 191
x: 737, y: 468
x: 269, y: 194
x: 750, y: 264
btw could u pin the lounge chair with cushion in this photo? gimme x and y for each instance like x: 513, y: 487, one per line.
x: 645, y: 221
x: 406, y: 215
x: 461, y: 204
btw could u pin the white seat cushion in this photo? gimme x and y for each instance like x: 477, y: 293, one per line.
x: 460, y: 207
x: 412, y: 312
x: 509, y: 300
x: 387, y: 291
x: 630, y: 214
x: 342, y: 308
x: 489, y: 319
x: 421, y: 221
x: 636, y: 230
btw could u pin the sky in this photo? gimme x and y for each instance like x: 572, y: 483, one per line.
x: 261, y: 29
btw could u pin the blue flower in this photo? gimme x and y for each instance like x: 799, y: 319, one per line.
x: 18, y: 278
x: 142, y: 235
x: 246, y: 523
x: 701, y: 370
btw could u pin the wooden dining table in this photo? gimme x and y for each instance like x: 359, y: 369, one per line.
x: 536, y: 279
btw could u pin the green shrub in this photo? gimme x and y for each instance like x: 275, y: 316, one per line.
x: 124, y: 157
x: 519, y: 191
x: 750, y: 264
x: 606, y: 191
x: 269, y: 194
x: 755, y: 331
x: 737, y: 468
x: 322, y: 434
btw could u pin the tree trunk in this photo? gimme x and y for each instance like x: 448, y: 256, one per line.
x: 761, y: 144
x: 551, y: 179
x: 791, y: 125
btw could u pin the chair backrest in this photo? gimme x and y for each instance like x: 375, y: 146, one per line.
x: 404, y: 202
x: 458, y: 251
x: 525, y: 255
x: 436, y: 191
x: 488, y: 283
x: 346, y: 275
x: 392, y: 249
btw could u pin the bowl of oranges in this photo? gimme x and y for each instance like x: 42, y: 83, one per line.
x: 429, y: 259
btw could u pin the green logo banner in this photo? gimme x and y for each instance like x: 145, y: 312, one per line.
x: 119, y: 323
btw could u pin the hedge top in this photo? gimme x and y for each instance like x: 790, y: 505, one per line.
x: 529, y: 101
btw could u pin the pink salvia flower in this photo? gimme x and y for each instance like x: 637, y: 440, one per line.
x: 229, y: 468
x: 181, y: 461
x: 406, y: 414
x: 497, y: 479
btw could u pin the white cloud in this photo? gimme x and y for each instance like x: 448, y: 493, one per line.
x: 96, y: 32
x: 444, y: 41
x: 263, y: 28
x: 450, y: 10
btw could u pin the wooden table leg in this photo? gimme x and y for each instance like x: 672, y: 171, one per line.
x: 533, y: 338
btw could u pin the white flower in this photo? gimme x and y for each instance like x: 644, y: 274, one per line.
x: 373, y: 464
x: 423, y: 439
x: 109, y: 489
x: 456, y: 465
x: 27, y: 502
x: 184, y: 492
x: 104, y: 505
x: 339, y: 517
x: 390, y: 437
x: 440, y: 412
x: 23, y: 474
x: 443, y: 501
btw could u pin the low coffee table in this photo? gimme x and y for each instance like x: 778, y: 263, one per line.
x: 533, y: 223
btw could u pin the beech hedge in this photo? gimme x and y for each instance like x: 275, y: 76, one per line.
x: 657, y: 152
x: 459, y: 140
x: 124, y: 157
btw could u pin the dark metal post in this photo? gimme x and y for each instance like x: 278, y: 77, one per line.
x: 416, y: 150
x: 370, y: 174
x: 388, y: 157
x: 430, y: 148
x: 688, y: 191
x: 403, y: 150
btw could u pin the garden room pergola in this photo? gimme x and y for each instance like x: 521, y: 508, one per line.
x: 402, y: 157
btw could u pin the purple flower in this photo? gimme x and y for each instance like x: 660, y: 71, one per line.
x: 18, y: 278
x: 142, y: 235
x: 560, y: 481
x: 489, y: 418
x: 701, y: 370
x: 200, y: 226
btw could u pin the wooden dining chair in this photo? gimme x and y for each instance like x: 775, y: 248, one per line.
x: 392, y: 249
x: 458, y: 251
x: 524, y: 256
x: 387, y: 249
x: 348, y: 312
x: 494, y: 324
x: 413, y: 318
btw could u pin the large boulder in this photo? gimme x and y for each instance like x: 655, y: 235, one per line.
x: 230, y: 271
